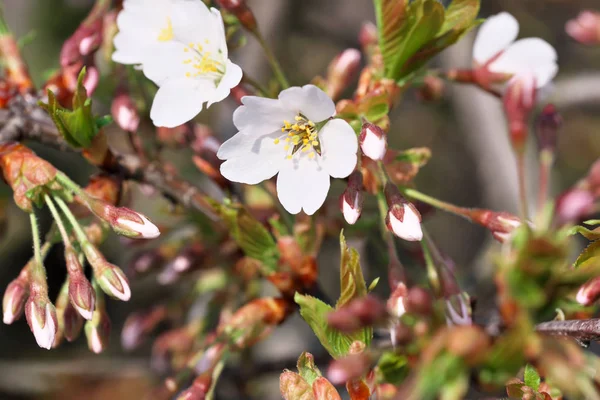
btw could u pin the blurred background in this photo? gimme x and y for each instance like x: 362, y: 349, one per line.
x: 472, y: 165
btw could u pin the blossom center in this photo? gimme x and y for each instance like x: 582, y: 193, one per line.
x: 166, y: 33
x: 203, y: 63
x: 302, y: 136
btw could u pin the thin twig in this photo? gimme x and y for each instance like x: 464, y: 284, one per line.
x: 583, y: 330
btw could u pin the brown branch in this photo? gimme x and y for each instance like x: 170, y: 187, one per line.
x: 585, y: 330
x: 25, y: 120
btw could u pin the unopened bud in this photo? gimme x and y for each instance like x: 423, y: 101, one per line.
x: 367, y: 37
x: 519, y: 101
x: 341, y: 71
x: 585, y: 28
x: 501, y: 224
x: 358, y: 313
x: 41, y: 317
x: 240, y: 9
x: 113, y: 281
x: 81, y: 292
x: 122, y: 220
x: 546, y: 128
x: 69, y: 318
x: 432, y: 89
x: 458, y: 309
x: 324, y: 390
x: 419, y: 301
x: 347, y: 368
x: 373, y: 142
x: 86, y: 39
x: 396, y: 302
x: 351, y: 201
x: 125, y: 113
x: 589, y: 293
x: 15, y: 297
x: 97, y: 331
x: 574, y: 205
x: 402, y: 219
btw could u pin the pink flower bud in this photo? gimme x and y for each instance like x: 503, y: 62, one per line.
x: 86, y: 40
x: 519, y: 101
x: 396, y: 302
x: 70, y: 321
x: 15, y: 297
x: 402, y: 219
x: 240, y: 9
x: 351, y: 201
x: 585, y: 28
x: 97, y: 331
x: 367, y: 36
x: 373, y: 141
x: 81, y: 295
x: 341, y: 71
x: 122, y: 220
x: 589, y: 293
x: 113, y: 281
x: 125, y: 113
x: 344, y: 369
x: 41, y: 317
x: 501, y: 224
x: 574, y: 205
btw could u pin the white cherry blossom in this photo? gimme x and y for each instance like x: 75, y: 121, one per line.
x: 181, y: 46
x: 293, y: 136
x: 496, y: 52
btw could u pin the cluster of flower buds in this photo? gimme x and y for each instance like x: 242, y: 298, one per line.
x: 373, y: 141
x: 341, y: 71
x: 351, y: 201
x: 403, y: 218
x: 240, y: 9
x: 585, y: 28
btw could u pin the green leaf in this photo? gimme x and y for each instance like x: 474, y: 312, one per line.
x: 393, y: 367
x: 101, y: 122
x: 532, y: 378
x: 391, y: 17
x: 418, y: 155
x: 307, y: 368
x: 589, y: 254
x: 373, y: 284
x: 352, y: 281
x: 314, y: 312
x: 590, y: 234
x: 460, y: 14
x: 77, y: 126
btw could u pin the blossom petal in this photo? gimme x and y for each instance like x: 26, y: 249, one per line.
x: 179, y: 100
x: 531, y: 55
x: 232, y: 77
x: 165, y: 60
x: 310, y: 101
x: 209, y: 33
x: 302, y: 184
x: 257, y: 159
x: 495, y: 35
x: 339, y: 144
x: 259, y: 115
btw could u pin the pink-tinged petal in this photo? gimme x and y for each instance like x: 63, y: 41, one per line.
x: 495, y: 35
x: 339, y: 146
x: 308, y: 100
x: 302, y: 184
x: 531, y: 55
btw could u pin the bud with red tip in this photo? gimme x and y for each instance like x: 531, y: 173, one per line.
x: 97, y: 330
x: 240, y: 9
x: 361, y: 312
x: 42, y: 320
x: 15, y: 297
x: 589, y: 293
x: 341, y: 71
x: 108, y: 276
x: 546, y: 128
x: 585, y: 28
x: 403, y: 219
x: 81, y: 293
x: 86, y: 40
x: 501, y: 224
x: 351, y: 201
x: 432, y: 89
x: 373, y: 141
x: 122, y: 220
x: 367, y: 37
x: 519, y: 101
x: 125, y: 112
x: 69, y: 319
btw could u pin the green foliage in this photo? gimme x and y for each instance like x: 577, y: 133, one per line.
x: 411, y: 33
x: 532, y: 378
x: 77, y: 126
x: 315, y: 312
x: 393, y: 367
x: 307, y: 368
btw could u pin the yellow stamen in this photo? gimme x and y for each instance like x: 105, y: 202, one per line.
x: 166, y: 34
x: 276, y: 141
x: 311, y: 155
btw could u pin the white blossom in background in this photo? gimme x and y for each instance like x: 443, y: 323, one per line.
x: 295, y: 137
x: 181, y: 46
x: 496, y: 52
